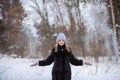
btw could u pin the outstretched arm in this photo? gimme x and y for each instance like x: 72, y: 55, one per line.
x: 47, y: 61
x: 75, y: 61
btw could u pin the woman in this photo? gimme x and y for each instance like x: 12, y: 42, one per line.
x: 61, y: 55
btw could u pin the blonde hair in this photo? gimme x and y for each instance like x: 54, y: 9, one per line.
x: 66, y: 47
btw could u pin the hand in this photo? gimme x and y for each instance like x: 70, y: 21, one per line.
x: 86, y: 63
x: 34, y: 64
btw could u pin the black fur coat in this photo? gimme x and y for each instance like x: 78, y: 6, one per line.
x: 61, y: 67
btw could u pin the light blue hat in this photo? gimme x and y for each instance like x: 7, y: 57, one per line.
x: 61, y: 36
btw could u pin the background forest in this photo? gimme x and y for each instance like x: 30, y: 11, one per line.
x: 29, y: 28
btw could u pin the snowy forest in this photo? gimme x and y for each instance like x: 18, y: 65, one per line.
x: 28, y: 31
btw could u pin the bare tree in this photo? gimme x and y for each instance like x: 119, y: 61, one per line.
x: 4, y: 9
x: 11, y: 33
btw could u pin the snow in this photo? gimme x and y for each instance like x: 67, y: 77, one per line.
x: 20, y: 69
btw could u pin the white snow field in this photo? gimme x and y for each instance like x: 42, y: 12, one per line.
x: 20, y: 69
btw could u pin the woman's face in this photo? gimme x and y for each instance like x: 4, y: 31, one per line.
x: 61, y: 42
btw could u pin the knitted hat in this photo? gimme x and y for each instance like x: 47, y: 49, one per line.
x: 61, y: 36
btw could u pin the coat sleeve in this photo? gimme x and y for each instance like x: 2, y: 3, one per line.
x: 48, y: 60
x: 75, y: 61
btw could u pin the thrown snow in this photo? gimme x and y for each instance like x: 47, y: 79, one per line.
x: 20, y: 69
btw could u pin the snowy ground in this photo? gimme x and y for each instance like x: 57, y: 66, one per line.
x: 19, y: 69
